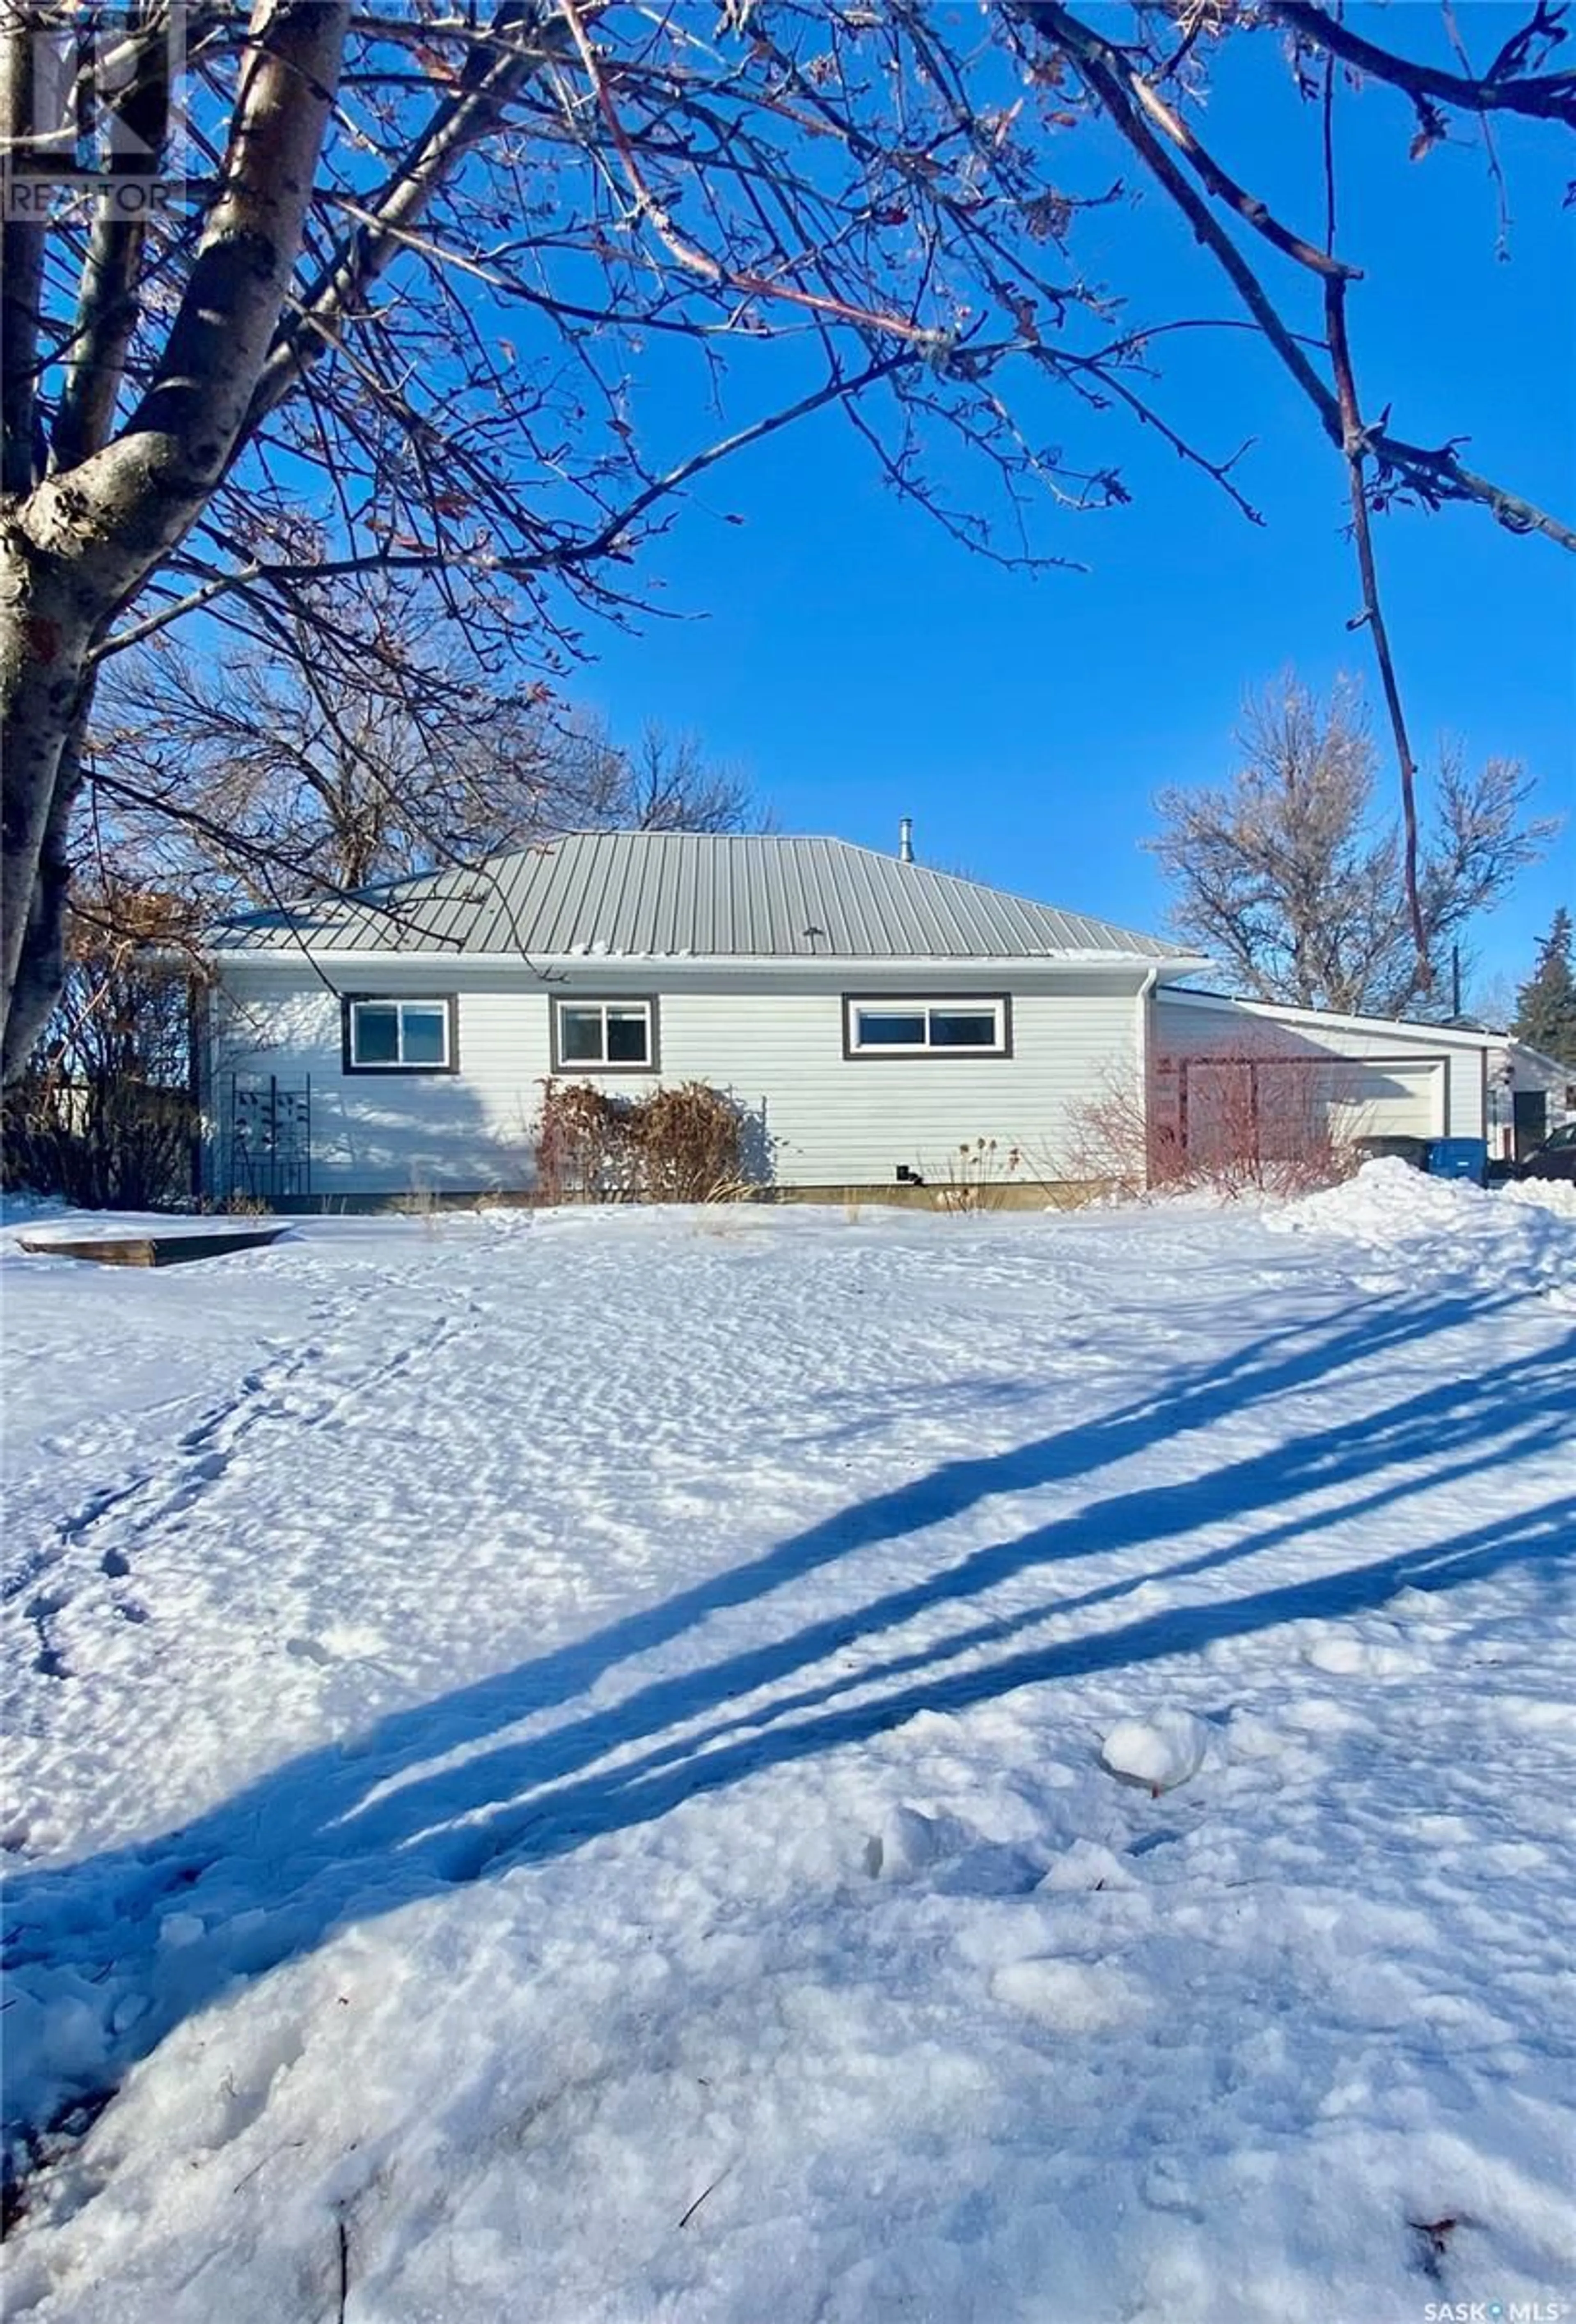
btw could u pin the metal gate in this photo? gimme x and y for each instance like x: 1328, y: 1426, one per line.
x: 267, y: 1138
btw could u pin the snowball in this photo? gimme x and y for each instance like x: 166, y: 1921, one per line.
x: 1161, y: 1752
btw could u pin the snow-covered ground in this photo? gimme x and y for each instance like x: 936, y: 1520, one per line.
x: 794, y: 1765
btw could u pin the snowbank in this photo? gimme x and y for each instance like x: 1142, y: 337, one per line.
x: 1555, y: 1194
x: 1516, y: 1241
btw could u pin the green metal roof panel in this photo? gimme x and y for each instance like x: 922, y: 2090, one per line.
x: 672, y: 895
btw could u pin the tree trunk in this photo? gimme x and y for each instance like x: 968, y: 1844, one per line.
x: 45, y: 637
x: 76, y: 548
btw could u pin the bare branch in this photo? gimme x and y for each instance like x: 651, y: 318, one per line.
x: 1541, y: 96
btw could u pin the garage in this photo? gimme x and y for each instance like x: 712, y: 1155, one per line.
x: 1236, y: 1078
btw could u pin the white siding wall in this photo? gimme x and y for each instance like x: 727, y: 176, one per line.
x: 833, y: 1121
x: 1406, y: 1079
x: 828, y: 1120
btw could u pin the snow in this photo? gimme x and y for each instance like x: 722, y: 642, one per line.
x: 1513, y: 1239
x: 1162, y: 1751
x: 616, y: 1766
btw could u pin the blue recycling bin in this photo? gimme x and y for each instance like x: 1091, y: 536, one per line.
x: 1460, y: 1157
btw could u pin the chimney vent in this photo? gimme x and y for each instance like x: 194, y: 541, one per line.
x: 906, y: 839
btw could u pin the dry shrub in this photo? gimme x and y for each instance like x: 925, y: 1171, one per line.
x: 583, y: 1152
x: 679, y: 1145
x: 976, y: 1177
x: 103, y: 1114
x: 1245, y: 1120
x: 690, y: 1142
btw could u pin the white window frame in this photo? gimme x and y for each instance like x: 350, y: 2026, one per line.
x: 925, y: 1004
x: 603, y: 1002
x: 444, y: 1003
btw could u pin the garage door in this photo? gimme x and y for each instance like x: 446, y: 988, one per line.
x: 1282, y: 1107
x: 1376, y: 1099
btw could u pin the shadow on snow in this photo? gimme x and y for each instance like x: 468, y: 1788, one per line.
x: 346, y: 1832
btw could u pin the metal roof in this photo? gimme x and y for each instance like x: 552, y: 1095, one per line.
x: 673, y: 895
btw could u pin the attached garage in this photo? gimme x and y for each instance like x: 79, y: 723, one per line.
x: 1381, y: 1097
x: 1220, y: 1068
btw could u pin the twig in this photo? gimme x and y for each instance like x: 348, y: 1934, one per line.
x: 274, y: 2153
x: 1547, y: 97
x: 1436, y: 473
x: 1104, y: 74
x: 1495, y: 170
x: 1250, y: 207
x: 1355, y: 447
x: 700, y: 2198
x: 745, y: 280
x: 1328, y: 144
x: 343, y: 2233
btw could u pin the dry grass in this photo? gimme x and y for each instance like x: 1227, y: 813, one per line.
x: 980, y: 1174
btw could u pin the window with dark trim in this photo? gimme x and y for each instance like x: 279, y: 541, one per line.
x: 970, y: 1024
x: 419, y: 1034
x: 605, y: 1037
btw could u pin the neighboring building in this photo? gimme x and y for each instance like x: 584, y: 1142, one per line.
x: 1529, y: 1095
x: 868, y: 1015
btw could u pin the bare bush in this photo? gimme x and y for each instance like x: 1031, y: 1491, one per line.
x: 686, y: 1144
x: 583, y: 1150
x: 103, y: 1115
x: 1247, y: 1119
x: 691, y: 1144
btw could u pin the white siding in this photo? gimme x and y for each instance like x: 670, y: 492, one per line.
x: 1397, y: 1079
x: 392, y: 1133
x: 1513, y: 1071
x: 826, y: 1120
x: 835, y: 1121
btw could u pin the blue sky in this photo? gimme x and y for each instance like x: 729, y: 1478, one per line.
x: 860, y: 666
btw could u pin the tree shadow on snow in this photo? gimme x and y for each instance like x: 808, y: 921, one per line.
x: 428, y: 1798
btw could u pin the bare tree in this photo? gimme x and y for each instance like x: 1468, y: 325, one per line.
x: 364, y: 754
x: 431, y: 260
x: 1288, y: 877
x: 665, y: 783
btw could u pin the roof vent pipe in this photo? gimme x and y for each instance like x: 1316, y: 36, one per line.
x: 906, y: 839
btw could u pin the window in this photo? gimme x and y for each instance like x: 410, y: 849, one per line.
x: 906, y: 1029
x: 605, y: 1037
x: 401, y: 1037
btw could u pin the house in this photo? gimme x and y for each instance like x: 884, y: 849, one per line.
x: 1530, y: 1094
x: 869, y: 1017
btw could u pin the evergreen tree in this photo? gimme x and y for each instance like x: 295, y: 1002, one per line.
x: 1546, y: 1006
